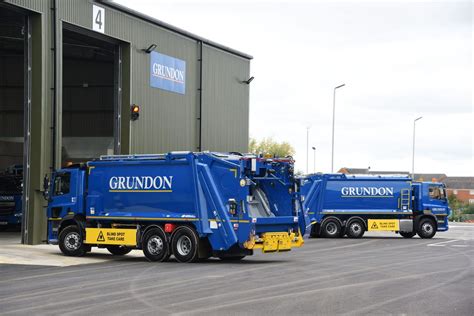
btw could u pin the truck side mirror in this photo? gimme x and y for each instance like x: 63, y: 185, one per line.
x: 46, y: 187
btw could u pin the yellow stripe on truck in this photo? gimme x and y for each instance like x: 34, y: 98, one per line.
x: 111, y: 236
x: 383, y: 225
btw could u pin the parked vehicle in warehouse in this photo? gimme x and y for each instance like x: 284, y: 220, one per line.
x: 11, y: 192
x: 190, y: 205
x: 339, y: 205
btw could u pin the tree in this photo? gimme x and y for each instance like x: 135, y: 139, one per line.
x: 270, y: 146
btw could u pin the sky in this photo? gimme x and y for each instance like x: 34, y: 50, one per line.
x: 399, y: 60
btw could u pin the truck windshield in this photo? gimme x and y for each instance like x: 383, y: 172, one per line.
x: 10, y: 185
x: 62, y: 183
x: 437, y: 192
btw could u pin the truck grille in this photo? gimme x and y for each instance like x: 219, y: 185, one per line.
x: 7, y: 208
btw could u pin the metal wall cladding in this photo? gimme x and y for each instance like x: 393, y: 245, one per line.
x: 169, y: 121
x: 33, y: 5
x: 225, y: 111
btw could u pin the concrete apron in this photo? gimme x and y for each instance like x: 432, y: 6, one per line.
x: 13, y: 252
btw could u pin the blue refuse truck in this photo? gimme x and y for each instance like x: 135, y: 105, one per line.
x: 10, y: 201
x: 189, y: 205
x: 340, y: 204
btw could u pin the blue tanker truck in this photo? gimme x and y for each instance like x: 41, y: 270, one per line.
x: 340, y: 204
x: 189, y: 205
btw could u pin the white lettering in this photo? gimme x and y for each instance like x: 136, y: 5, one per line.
x: 155, y: 185
x: 168, y: 182
x: 367, y: 191
x: 168, y: 73
x: 138, y: 182
x: 121, y: 184
x: 132, y: 183
x: 113, y: 183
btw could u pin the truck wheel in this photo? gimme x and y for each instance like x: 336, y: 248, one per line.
x: 185, y: 243
x: 355, y: 229
x: 407, y: 234
x: 426, y: 228
x: 315, y: 231
x: 119, y: 250
x: 232, y: 258
x: 71, y: 242
x: 331, y: 229
x: 155, y: 245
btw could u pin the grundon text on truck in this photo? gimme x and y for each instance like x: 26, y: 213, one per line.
x: 339, y: 205
x: 189, y: 205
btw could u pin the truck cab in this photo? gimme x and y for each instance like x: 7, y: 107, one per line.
x: 430, y: 198
x: 65, y: 199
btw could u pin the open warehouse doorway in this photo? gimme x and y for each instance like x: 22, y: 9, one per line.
x: 91, y: 96
x: 14, y: 92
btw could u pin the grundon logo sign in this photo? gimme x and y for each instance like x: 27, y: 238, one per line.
x: 358, y: 192
x: 167, y: 73
x: 141, y: 184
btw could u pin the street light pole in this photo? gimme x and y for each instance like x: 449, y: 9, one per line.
x: 333, y: 121
x: 314, y: 159
x: 413, y: 156
x: 307, y: 149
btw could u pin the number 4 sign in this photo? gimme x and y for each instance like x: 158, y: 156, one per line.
x: 98, y: 19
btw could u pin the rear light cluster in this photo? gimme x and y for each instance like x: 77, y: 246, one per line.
x: 169, y: 227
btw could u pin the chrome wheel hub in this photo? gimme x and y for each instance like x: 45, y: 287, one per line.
x: 184, y: 245
x: 331, y: 228
x: 427, y: 228
x: 355, y: 228
x: 72, y: 241
x: 155, y: 245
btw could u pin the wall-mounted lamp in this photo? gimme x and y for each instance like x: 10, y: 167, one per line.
x: 249, y: 80
x: 134, y: 112
x: 150, y: 48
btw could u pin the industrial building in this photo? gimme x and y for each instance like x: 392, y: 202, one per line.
x: 70, y: 72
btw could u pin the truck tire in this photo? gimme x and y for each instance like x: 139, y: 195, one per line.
x: 119, y: 250
x: 71, y: 241
x: 185, y: 244
x: 331, y: 228
x: 426, y: 228
x: 407, y: 234
x: 155, y: 245
x: 355, y: 229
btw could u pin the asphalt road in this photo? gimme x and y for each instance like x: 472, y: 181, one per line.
x: 378, y: 274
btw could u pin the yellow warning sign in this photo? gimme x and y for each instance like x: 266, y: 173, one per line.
x: 111, y: 236
x: 383, y: 224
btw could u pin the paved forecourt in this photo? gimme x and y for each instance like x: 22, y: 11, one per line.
x: 379, y: 274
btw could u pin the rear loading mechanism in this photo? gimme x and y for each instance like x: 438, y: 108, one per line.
x: 189, y: 205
